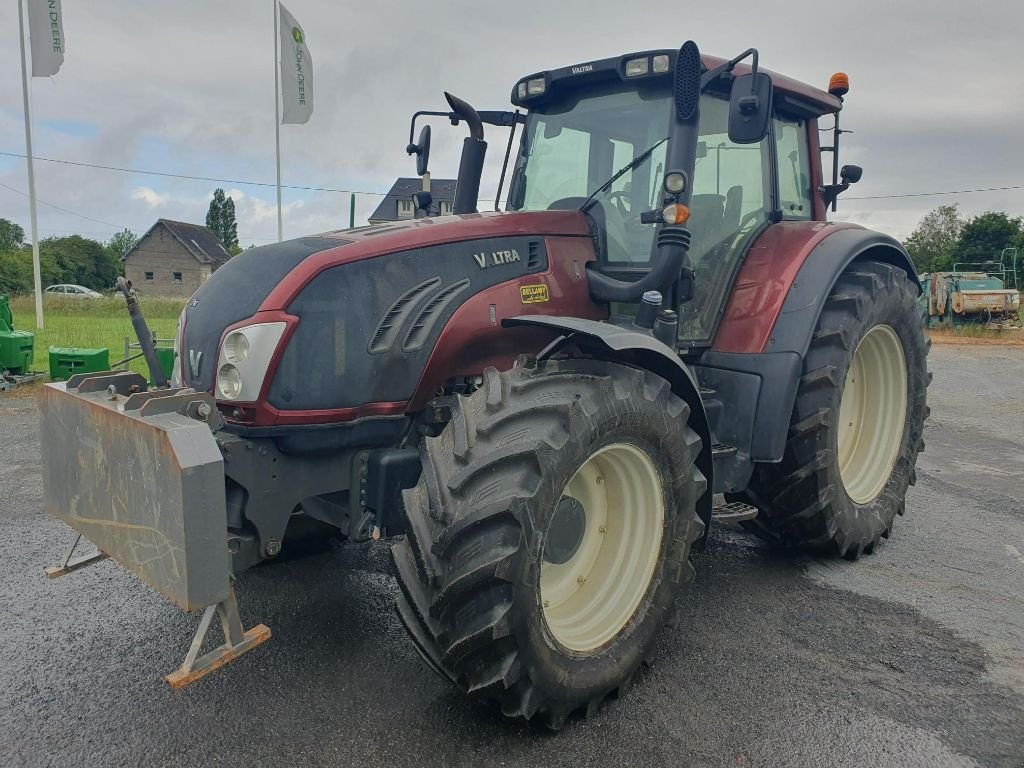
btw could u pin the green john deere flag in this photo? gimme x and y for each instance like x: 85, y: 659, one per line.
x: 296, y: 71
x: 46, y: 33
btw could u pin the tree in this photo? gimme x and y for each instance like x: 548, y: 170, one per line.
x: 933, y: 244
x: 220, y: 219
x: 12, y: 236
x: 77, y: 259
x: 16, y: 275
x: 15, y: 272
x: 985, y: 236
x: 121, y: 243
x: 229, y: 227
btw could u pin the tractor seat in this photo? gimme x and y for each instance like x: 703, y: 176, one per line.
x: 707, y: 214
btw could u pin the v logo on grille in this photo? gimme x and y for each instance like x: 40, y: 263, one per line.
x: 195, y: 362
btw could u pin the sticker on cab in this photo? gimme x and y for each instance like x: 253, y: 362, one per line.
x: 534, y: 294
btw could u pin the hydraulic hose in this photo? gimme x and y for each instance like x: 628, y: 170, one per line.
x: 145, y: 336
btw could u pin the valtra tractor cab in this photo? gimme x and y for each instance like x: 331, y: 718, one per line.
x: 541, y: 405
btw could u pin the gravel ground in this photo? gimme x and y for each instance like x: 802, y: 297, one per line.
x: 911, y: 657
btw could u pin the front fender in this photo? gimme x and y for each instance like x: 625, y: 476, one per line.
x: 633, y: 347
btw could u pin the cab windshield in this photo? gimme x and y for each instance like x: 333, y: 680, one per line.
x: 573, y: 147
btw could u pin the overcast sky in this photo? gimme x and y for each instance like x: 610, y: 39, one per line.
x: 187, y: 87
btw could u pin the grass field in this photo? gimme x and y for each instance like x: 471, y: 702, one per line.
x: 92, y: 323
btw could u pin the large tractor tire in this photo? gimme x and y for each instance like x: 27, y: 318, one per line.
x: 857, y: 423
x: 550, y: 534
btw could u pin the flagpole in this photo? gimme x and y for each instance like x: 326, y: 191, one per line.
x: 277, y: 119
x: 31, y: 172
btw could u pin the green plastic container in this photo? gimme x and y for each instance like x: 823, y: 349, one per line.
x: 17, y: 348
x: 67, y: 361
x: 166, y: 357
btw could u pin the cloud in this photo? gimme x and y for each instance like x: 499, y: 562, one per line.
x: 193, y: 96
x: 255, y: 211
x: 150, y: 197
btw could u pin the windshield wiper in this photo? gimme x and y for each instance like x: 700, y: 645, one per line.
x: 625, y: 169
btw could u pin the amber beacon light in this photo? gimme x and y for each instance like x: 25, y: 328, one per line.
x: 839, y: 84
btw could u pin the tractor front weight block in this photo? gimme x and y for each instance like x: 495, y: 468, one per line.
x: 138, y: 473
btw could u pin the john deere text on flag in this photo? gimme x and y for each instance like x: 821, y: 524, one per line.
x: 296, y: 71
x: 46, y: 31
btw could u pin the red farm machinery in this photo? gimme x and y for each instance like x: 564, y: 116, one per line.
x: 545, y: 407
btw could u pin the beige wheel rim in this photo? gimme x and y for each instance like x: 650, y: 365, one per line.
x: 590, y: 597
x: 872, y: 414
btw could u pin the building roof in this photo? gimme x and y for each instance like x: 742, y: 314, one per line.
x: 403, y: 189
x: 199, y: 241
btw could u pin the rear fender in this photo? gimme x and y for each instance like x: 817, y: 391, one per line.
x: 774, y: 358
x: 806, y: 297
x: 617, y: 344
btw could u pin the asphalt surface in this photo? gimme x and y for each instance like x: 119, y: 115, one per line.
x: 913, y: 656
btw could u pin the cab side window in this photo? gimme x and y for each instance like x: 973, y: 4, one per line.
x: 557, y: 166
x: 794, y: 160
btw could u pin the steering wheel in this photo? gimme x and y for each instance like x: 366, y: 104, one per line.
x: 617, y: 198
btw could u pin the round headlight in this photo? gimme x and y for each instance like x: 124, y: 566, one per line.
x: 675, y: 182
x: 229, y: 382
x: 236, y: 347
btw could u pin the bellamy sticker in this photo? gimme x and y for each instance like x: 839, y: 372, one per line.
x: 533, y: 294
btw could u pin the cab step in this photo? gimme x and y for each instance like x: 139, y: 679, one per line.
x: 720, y: 450
x: 733, y: 512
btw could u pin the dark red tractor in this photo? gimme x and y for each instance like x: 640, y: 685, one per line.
x: 543, y: 404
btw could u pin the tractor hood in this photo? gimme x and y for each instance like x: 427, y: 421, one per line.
x: 344, y: 297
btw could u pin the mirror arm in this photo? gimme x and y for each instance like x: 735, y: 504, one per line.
x: 496, y: 117
x: 508, y: 153
x: 412, y: 126
x: 729, y: 66
x: 831, y: 192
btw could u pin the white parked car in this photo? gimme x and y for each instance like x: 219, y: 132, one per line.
x: 72, y: 292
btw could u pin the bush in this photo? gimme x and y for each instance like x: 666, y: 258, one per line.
x: 15, y: 272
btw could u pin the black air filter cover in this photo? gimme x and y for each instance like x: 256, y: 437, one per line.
x: 686, y: 81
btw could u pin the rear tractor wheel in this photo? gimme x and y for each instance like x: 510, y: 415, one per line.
x: 858, y: 420
x: 550, y: 534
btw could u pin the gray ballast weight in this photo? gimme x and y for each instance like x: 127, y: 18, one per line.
x: 139, y: 474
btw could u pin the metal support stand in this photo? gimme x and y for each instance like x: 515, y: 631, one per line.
x: 236, y: 642
x: 68, y: 565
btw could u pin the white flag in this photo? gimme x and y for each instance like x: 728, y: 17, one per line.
x: 296, y: 71
x: 46, y: 31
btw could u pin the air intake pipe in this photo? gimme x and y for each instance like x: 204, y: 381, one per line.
x: 474, y: 148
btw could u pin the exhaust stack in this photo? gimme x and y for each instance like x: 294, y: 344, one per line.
x: 471, y: 167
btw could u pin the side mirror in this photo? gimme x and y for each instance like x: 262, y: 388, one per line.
x: 750, y: 108
x: 851, y: 174
x: 422, y: 150
x: 422, y: 200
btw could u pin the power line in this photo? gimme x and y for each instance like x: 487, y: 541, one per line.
x: 304, y: 188
x: 118, y: 227
x: 195, y: 178
x: 64, y: 210
x: 934, y: 194
x: 203, y: 178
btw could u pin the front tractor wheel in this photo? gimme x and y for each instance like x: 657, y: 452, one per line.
x: 550, y: 534
x: 858, y: 420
